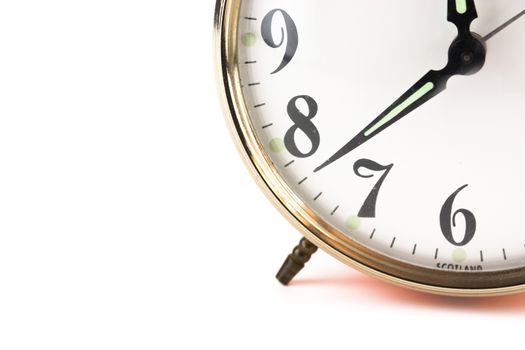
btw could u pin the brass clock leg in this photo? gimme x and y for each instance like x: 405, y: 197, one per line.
x: 296, y: 261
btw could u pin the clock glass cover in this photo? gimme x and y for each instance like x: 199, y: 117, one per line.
x: 400, y: 124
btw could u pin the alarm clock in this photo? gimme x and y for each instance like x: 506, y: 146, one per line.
x: 389, y: 133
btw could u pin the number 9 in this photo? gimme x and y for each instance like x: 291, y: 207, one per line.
x: 292, y: 36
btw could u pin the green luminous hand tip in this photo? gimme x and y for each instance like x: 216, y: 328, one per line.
x: 416, y: 96
x: 433, y: 83
x: 461, y: 6
x: 462, y: 13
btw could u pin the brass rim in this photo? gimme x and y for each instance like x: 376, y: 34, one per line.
x: 305, y: 220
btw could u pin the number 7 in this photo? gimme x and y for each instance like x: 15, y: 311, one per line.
x: 368, y: 210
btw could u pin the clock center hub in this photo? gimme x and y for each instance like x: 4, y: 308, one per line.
x: 468, y: 54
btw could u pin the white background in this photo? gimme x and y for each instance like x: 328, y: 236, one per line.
x: 128, y: 220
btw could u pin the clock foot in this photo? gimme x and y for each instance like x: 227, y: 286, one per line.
x: 296, y: 261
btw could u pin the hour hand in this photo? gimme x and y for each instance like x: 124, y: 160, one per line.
x: 433, y: 83
x: 462, y: 13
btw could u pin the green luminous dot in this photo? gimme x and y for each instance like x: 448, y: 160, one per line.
x: 248, y: 39
x: 459, y: 255
x: 353, y: 223
x: 461, y: 6
x: 277, y: 145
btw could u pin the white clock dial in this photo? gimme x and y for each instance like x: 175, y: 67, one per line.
x: 442, y: 187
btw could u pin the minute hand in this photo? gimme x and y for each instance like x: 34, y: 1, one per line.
x: 430, y: 85
x: 466, y: 56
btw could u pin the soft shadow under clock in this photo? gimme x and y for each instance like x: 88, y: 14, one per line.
x: 381, y: 291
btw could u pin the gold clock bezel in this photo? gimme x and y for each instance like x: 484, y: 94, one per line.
x: 311, y: 225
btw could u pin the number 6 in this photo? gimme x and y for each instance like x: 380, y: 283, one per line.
x: 447, y: 220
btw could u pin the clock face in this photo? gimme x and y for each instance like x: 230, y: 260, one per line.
x: 355, y: 110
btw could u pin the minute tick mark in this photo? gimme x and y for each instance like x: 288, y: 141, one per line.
x: 393, y: 242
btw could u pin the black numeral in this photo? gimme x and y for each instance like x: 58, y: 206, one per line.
x: 368, y: 210
x: 292, y: 37
x: 448, y: 220
x: 304, y: 123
